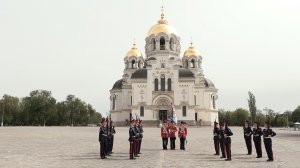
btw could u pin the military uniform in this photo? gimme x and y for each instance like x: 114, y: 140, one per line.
x: 222, y: 146
x: 227, y: 142
x: 164, y: 132
x: 140, y: 127
x: 132, y: 140
x: 172, y: 135
x: 257, y: 133
x: 248, y: 137
x: 216, y: 134
x: 103, y: 140
x: 110, y: 137
x: 182, y: 134
x: 267, y: 134
x: 137, y: 139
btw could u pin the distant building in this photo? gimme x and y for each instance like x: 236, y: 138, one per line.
x: 151, y: 84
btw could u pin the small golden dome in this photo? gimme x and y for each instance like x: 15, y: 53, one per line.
x: 191, y: 51
x: 162, y: 26
x: 133, y: 52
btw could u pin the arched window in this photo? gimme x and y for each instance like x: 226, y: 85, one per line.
x: 184, y: 111
x: 139, y: 64
x: 127, y: 64
x: 171, y: 44
x: 114, y: 103
x: 214, y: 102
x: 142, y: 111
x: 133, y: 64
x: 192, y: 63
x: 153, y: 44
x: 155, y: 84
x: 169, y: 84
x: 162, y: 43
x: 186, y: 63
x: 162, y: 83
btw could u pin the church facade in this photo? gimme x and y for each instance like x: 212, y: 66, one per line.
x: 162, y: 79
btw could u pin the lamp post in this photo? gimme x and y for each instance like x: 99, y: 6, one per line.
x: 2, y: 114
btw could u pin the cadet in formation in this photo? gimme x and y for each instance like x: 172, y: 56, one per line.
x: 141, y: 131
x: 268, y: 134
x: 248, y: 136
x: 164, y: 131
x: 110, y: 136
x: 257, y: 133
x: 133, y: 136
x: 172, y: 134
x: 103, y: 139
x: 227, y: 141
x: 222, y: 146
x: 216, y: 138
x: 182, y: 134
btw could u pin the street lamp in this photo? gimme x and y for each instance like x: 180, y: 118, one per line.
x: 2, y: 114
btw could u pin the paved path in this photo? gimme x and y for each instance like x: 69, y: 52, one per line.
x: 63, y: 147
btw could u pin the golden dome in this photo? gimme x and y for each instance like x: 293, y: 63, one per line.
x: 162, y: 26
x: 133, y: 52
x: 191, y: 51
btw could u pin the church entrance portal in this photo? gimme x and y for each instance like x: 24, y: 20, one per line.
x: 162, y: 114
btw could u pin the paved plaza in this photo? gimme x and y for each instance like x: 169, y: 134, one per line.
x: 63, y: 147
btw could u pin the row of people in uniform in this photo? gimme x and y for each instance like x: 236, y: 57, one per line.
x: 169, y: 131
x: 222, y: 140
x: 135, y: 138
x: 106, y: 138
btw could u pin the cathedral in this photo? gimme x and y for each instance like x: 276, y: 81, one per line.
x: 162, y: 79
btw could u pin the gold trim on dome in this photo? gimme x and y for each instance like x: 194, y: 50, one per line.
x: 162, y: 26
x: 133, y: 52
x: 191, y: 51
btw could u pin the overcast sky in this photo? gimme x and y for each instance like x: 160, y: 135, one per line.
x: 77, y: 46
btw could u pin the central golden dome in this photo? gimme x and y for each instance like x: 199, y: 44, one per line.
x: 162, y: 26
x: 191, y: 51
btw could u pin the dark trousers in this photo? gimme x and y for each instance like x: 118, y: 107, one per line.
x: 139, y: 146
x: 227, y: 143
x: 257, y: 143
x: 109, y: 144
x: 131, y: 149
x: 135, y: 147
x: 112, y: 143
x: 222, y: 146
x: 172, y: 140
x: 248, y: 144
x: 268, y: 146
x: 164, y: 143
x: 102, y: 151
x: 182, y: 143
x: 216, y: 143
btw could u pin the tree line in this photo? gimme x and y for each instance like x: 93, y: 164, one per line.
x: 40, y: 108
x: 276, y: 119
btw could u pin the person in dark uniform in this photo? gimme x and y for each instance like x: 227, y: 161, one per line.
x: 222, y: 140
x: 216, y: 134
x: 268, y: 134
x: 182, y: 134
x: 103, y: 138
x: 140, y: 127
x: 108, y: 139
x: 248, y: 137
x: 257, y: 133
x: 132, y: 139
x: 172, y: 135
x: 110, y: 136
x: 227, y: 141
x: 164, y: 132
x: 137, y: 138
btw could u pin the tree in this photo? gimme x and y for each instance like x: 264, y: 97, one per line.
x: 296, y: 114
x: 238, y: 116
x: 10, y: 106
x: 252, y: 106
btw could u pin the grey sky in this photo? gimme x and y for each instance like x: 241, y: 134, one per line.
x: 77, y: 47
